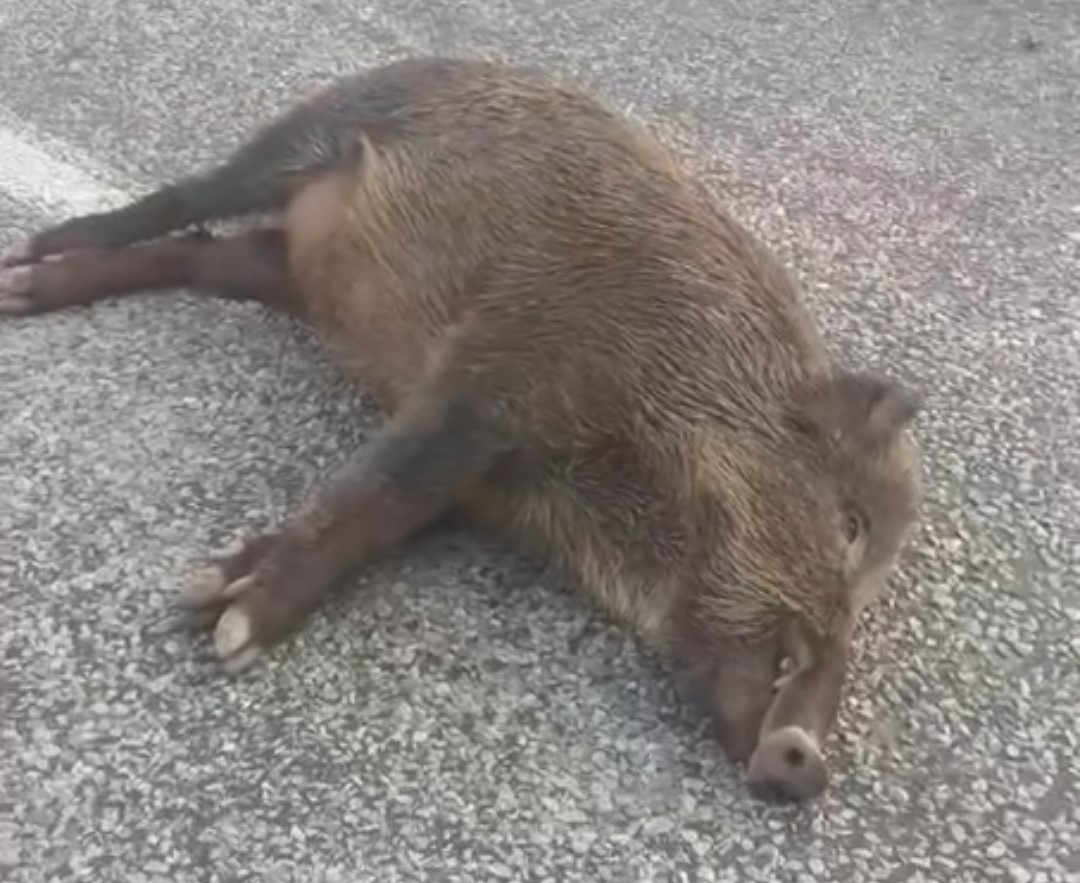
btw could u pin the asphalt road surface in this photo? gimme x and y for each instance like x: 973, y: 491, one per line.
x: 460, y: 716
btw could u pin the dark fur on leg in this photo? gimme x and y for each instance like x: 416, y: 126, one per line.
x: 249, y: 266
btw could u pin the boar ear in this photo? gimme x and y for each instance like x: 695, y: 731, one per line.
x: 859, y: 408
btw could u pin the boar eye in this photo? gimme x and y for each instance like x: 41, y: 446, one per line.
x: 853, y: 527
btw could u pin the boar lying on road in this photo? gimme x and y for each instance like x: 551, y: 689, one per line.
x: 573, y: 345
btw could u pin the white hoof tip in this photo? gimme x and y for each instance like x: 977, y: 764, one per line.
x: 232, y: 633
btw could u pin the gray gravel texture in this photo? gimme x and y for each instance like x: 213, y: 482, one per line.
x: 460, y: 716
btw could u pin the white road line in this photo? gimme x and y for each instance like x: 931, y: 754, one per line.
x: 51, y: 177
x: 60, y: 181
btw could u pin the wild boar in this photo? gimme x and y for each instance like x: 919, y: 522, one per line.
x: 574, y: 345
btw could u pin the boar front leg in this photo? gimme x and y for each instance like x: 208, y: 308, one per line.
x: 414, y: 470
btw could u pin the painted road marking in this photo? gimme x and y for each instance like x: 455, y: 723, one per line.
x: 51, y: 177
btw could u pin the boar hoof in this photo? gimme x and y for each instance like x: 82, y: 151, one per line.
x: 233, y: 640
x: 204, y: 586
x: 787, y: 764
x: 19, y: 252
x: 15, y: 287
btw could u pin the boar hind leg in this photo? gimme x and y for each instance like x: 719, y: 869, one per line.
x: 249, y: 266
x: 259, y: 178
x: 429, y: 454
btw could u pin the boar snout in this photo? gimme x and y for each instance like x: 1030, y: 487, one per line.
x: 788, y: 763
